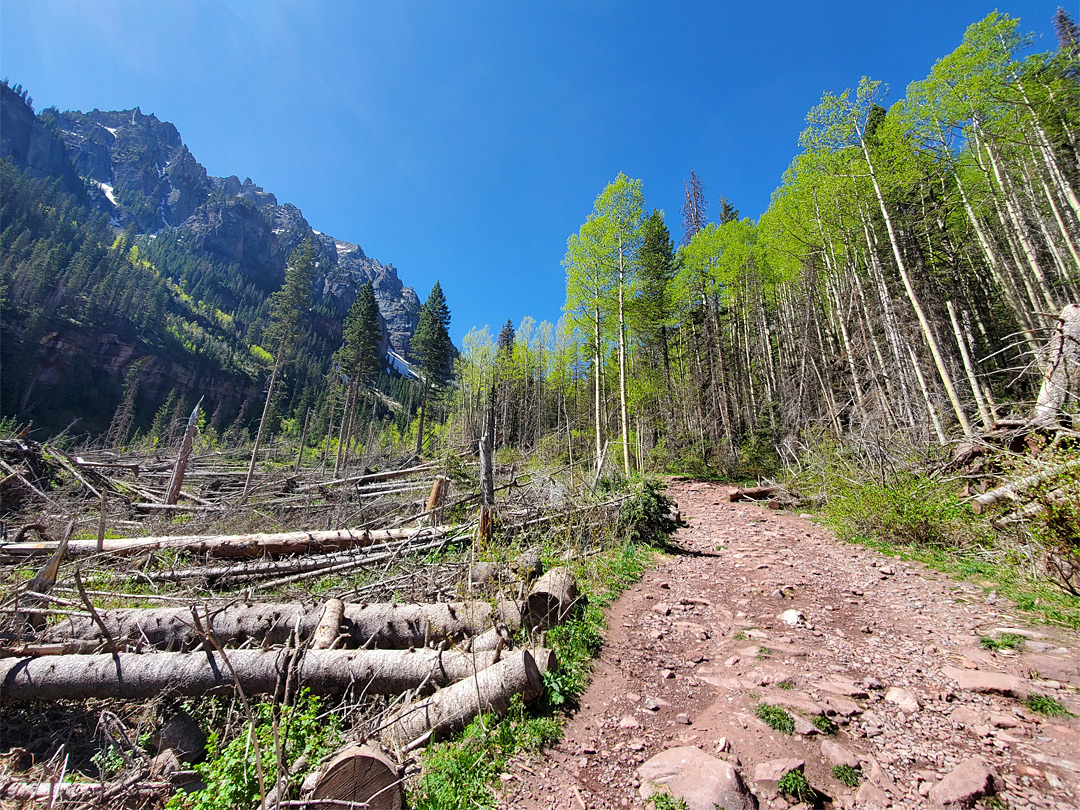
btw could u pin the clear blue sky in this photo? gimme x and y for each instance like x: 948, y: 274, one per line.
x: 464, y: 141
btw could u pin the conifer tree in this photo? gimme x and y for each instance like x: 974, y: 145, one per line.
x: 287, y: 308
x: 432, y: 349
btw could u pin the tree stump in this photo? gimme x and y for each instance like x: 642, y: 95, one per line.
x: 361, y: 774
x: 551, y: 599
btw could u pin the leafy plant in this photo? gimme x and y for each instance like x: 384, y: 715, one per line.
x: 1006, y: 641
x: 646, y: 514
x: 794, y: 784
x: 823, y: 724
x: 665, y: 801
x: 1044, y: 704
x: 231, y: 770
x: 847, y: 776
x: 775, y: 718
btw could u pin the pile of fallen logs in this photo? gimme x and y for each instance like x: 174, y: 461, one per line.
x: 444, y: 662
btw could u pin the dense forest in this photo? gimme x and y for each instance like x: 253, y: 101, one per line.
x: 902, y: 285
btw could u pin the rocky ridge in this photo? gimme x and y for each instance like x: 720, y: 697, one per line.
x: 876, y: 661
x: 137, y: 169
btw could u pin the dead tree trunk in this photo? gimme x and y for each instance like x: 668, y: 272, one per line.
x: 551, y: 599
x: 1061, y: 369
x: 176, y: 482
x: 382, y: 625
x: 130, y: 676
x: 490, y: 690
x: 232, y: 546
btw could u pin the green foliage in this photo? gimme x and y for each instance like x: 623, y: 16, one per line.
x: 665, y: 801
x: 794, y: 784
x: 775, y: 718
x: 823, y: 724
x: 646, y: 514
x: 431, y: 341
x: 1006, y: 641
x: 576, y: 643
x: 1046, y: 705
x: 847, y: 776
x: 230, y: 770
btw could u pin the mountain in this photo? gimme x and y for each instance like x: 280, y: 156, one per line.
x: 210, y: 250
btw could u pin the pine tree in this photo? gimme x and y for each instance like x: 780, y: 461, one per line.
x: 287, y: 308
x: 432, y: 349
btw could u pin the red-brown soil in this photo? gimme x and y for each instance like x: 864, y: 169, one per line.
x: 700, y: 640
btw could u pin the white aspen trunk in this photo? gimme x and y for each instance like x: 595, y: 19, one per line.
x: 984, y: 412
x: 624, y: 419
x: 930, y: 409
x: 1012, y: 208
x: 599, y: 425
x: 1048, y: 152
x: 928, y: 334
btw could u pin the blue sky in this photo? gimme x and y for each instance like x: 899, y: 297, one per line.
x: 465, y: 141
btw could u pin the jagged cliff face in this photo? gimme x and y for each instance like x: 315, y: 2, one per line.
x: 138, y: 170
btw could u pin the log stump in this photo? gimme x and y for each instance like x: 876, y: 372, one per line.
x: 361, y: 774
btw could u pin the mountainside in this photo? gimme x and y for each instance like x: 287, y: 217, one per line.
x: 179, y: 266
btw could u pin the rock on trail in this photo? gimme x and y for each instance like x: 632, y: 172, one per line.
x: 876, y: 661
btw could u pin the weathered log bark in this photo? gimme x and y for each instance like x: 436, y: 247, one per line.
x: 363, y: 775
x: 233, y: 546
x: 81, y: 792
x: 360, y: 480
x: 329, y: 629
x: 383, y: 625
x: 750, y: 493
x: 490, y: 690
x: 130, y: 676
x: 176, y: 482
x: 437, y: 498
x: 1061, y: 369
x: 1012, y: 488
x: 551, y: 599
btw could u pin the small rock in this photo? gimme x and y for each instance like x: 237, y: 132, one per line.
x: 629, y: 722
x: 182, y: 734
x: 767, y: 774
x: 871, y: 796
x: 792, y: 617
x: 651, y: 704
x: 837, y: 754
x: 999, y: 683
x: 805, y: 728
x: 666, y: 674
x: 964, y: 716
x: 484, y: 572
x: 964, y: 786
x: 662, y: 609
x: 904, y: 698
x: 683, y: 718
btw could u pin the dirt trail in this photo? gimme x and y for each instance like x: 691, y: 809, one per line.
x: 696, y: 645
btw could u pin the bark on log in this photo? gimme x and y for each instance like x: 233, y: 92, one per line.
x: 437, y: 498
x: 130, y: 676
x: 383, y: 625
x: 1012, y: 488
x: 363, y: 775
x: 326, y: 634
x: 750, y: 493
x: 551, y: 599
x: 233, y: 546
x: 490, y: 690
x: 81, y: 792
x: 1061, y: 370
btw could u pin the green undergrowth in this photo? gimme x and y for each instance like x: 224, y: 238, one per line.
x: 906, y: 513
x: 282, y: 734
x: 463, y: 772
x: 1046, y: 705
x: 775, y: 718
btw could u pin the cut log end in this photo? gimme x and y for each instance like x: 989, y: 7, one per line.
x: 362, y: 775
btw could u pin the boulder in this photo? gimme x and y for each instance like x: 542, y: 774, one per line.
x: 964, y: 786
x: 702, y: 781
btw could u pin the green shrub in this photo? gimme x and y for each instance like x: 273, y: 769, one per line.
x: 231, y: 770
x: 1044, y: 704
x: 646, y: 514
x: 794, y: 784
x: 1006, y: 641
x: 775, y: 718
x: 823, y: 724
x: 847, y: 776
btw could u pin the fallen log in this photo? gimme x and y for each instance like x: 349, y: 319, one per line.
x: 131, y: 676
x: 451, y: 709
x: 1061, y: 371
x: 552, y: 598
x: 232, y: 546
x: 80, y: 792
x: 750, y: 493
x: 1012, y: 489
x: 360, y: 775
x: 368, y: 478
x: 384, y: 625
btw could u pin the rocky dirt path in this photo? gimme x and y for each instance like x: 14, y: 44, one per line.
x: 765, y: 607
